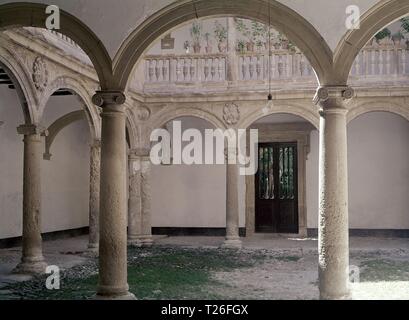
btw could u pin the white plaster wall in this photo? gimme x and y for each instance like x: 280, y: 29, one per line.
x: 378, y: 166
x: 194, y: 196
x: 11, y: 164
x: 191, y: 196
x: 312, y: 181
x: 379, y: 171
x: 65, y: 193
x: 65, y: 179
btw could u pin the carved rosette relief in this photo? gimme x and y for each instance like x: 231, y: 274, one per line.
x: 143, y: 113
x: 40, y: 74
x: 231, y: 113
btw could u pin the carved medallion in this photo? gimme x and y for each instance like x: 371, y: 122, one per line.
x: 143, y: 113
x: 231, y: 113
x: 40, y: 74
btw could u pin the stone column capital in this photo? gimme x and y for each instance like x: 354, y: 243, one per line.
x: 30, y: 129
x: 95, y: 143
x: 108, y: 98
x: 333, y: 97
x: 138, y: 153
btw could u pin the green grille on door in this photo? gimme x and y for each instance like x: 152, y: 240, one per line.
x: 266, y: 172
x: 286, y: 172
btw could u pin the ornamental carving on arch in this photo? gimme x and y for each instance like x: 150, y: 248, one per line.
x: 231, y: 113
x: 40, y: 74
x: 143, y: 113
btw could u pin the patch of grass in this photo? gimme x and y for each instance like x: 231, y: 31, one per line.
x: 377, y: 270
x: 288, y: 258
x: 155, y: 273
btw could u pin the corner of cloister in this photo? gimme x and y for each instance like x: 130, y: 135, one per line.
x: 79, y: 190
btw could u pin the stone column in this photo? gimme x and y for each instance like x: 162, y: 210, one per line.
x: 32, y: 260
x: 95, y: 166
x: 333, y: 242
x: 139, y: 203
x: 112, y: 282
x: 134, y: 201
x: 232, y: 202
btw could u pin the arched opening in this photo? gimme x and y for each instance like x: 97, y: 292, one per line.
x: 281, y: 198
x: 12, y: 115
x: 68, y: 195
x: 281, y: 17
x: 371, y: 23
x: 384, y: 59
x: 34, y: 15
x: 378, y: 201
x: 197, y: 203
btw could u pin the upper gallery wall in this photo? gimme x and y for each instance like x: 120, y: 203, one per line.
x: 113, y: 23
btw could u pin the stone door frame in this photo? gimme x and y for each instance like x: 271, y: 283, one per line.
x: 283, y: 132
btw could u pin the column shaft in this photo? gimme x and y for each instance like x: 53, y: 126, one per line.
x: 333, y: 239
x: 146, y: 201
x: 95, y: 166
x: 139, y: 221
x: 32, y: 257
x: 232, y: 204
x: 134, y: 202
x: 113, y: 218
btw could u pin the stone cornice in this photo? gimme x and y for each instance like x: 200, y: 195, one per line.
x: 29, y: 129
x: 137, y: 153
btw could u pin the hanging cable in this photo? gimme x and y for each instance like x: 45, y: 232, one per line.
x: 270, y: 53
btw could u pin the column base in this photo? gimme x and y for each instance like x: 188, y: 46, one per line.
x: 126, y: 296
x: 140, y: 241
x: 347, y: 296
x: 114, y: 293
x: 31, y: 266
x: 92, y: 250
x: 232, y: 243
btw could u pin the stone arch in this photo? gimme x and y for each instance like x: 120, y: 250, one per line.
x: 170, y: 115
x: 24, y: 14
x: 22, y: 83
x: 131, y: 130
x: 297, y: 110
x: 85, y: 96
x: 378, y: 106
x: 376, y: 18
x: 59, y: 125
x: 284, y: 19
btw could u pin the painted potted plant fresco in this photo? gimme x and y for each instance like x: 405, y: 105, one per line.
x: 241, y: 46
x: 397, y: 37
x: 244, y: 30
x: 259, y: 32
x: 383, y: 36
x: 405, y: 29
x: 196, y: 34
x: 220, y: 32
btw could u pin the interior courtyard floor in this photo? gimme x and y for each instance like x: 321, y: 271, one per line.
x: 266, y: 268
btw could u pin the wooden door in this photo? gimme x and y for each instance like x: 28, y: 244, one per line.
x: 276, y: 188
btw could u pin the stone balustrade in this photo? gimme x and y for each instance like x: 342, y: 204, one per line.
x: 378, y: 60
x: 373, y: 63
x: 185, y: 68
x: 284, y: 64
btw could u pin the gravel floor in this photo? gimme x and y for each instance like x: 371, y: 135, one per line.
x: 270, y: 268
